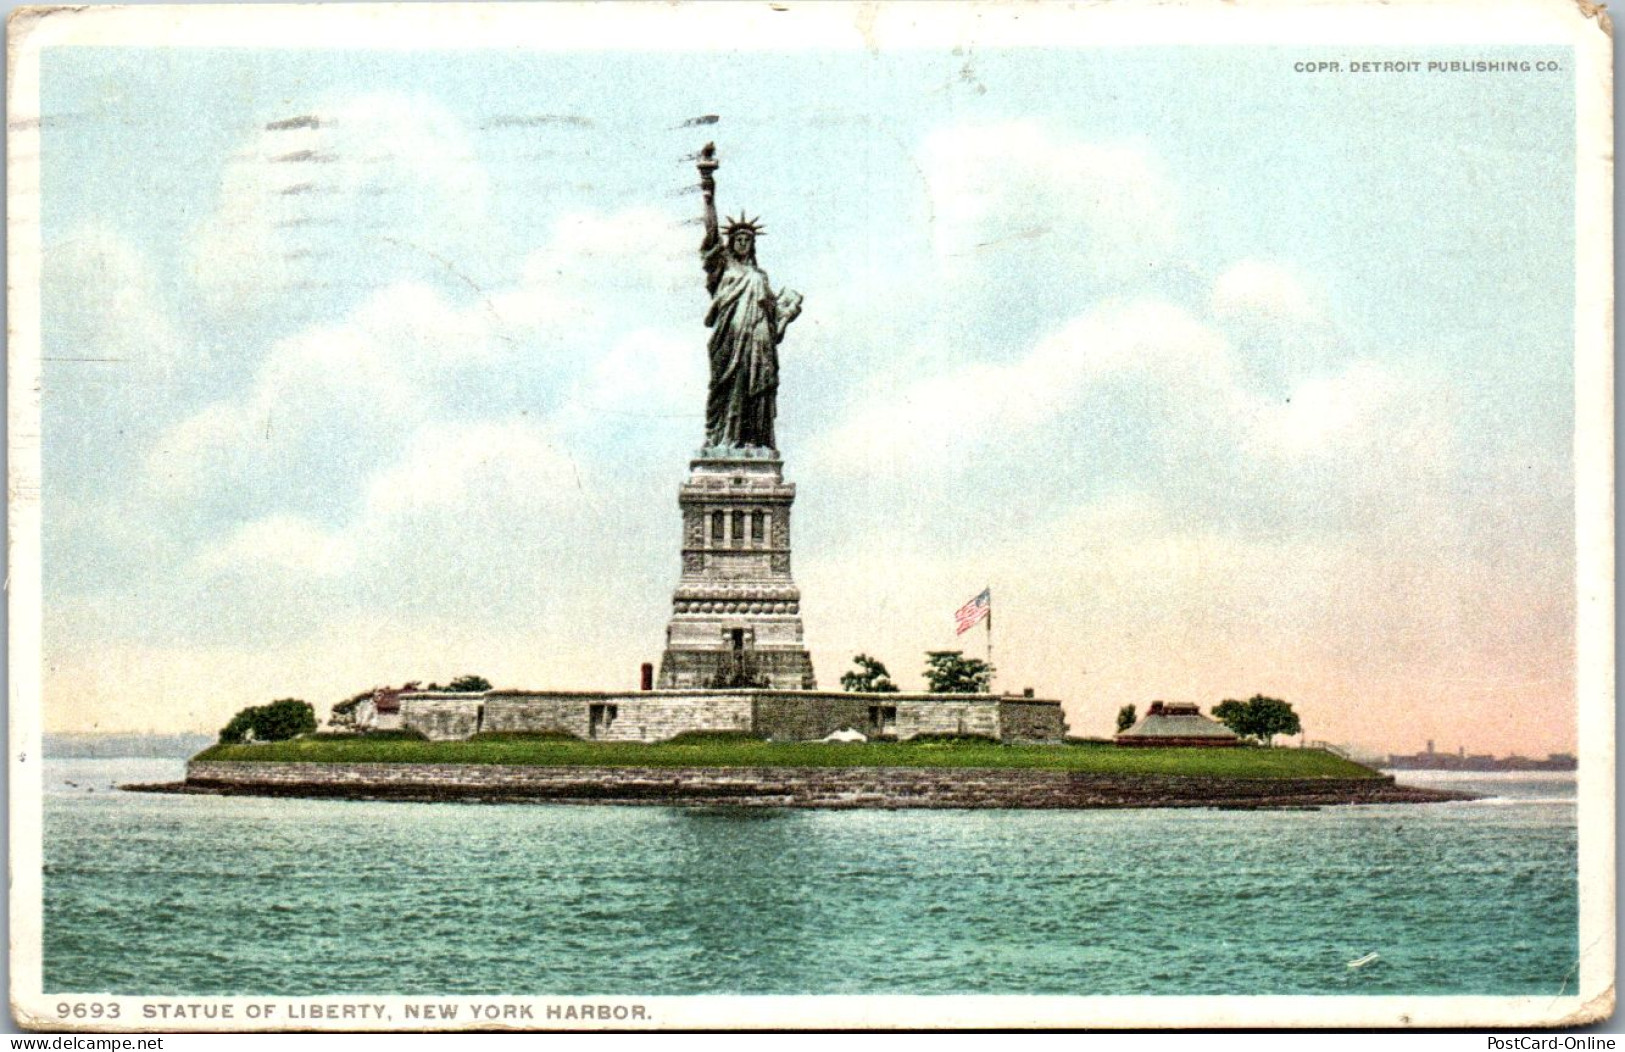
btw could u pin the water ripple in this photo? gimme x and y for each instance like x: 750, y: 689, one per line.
x: 198, y: 895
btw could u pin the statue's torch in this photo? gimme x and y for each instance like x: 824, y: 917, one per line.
x: 707, y: 165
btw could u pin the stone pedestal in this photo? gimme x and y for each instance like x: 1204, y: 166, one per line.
x: 736, y: 613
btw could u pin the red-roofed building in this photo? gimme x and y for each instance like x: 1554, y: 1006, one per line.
x: 1177, y: 723
x: 382, y: 711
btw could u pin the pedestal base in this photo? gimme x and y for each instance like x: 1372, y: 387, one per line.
x: 736, y: 612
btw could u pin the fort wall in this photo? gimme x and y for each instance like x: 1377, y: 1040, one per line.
x: 781, y: 715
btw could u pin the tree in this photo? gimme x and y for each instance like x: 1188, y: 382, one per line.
x: 1125, y: 718
x: 282, y: 719
x: 466, y: 685
x: 951, y: 672
x: 238, y: 728
x: 870, y: 677
x: 1237, y: 715
x: 1272, y: 716
x: 1258, y: 717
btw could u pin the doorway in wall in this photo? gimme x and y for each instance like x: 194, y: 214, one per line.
x: 600, y: 717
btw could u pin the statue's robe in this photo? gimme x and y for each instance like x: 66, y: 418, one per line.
x: 744, y: 325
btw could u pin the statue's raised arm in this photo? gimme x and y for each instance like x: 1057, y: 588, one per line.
x: 708, y: 188
x: 747, y: 321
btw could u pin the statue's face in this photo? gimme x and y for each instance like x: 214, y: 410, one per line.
x: 742, y: 242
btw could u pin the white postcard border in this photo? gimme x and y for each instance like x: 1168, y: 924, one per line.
x: 876, y: 26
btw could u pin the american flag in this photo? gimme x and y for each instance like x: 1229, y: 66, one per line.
x: 974, y: 611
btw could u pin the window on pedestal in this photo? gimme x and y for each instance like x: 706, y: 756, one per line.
x: 758, y: 528
x: 739, y: 529
x: 716, y: 529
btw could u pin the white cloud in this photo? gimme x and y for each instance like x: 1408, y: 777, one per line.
x: 202, y: 444
x: 594, y: 263
x: 512, y: 466
x: 474, y: 472
x: 1362, y: 416
x: 425, y: 331
x: 942, y: 419
x: 435, y: 425
x: 282, y: 543
x: 330, y: 390
x: 115, y: 310
x: 1020, y: 189
x: 647, y: 372
x: 1370, y: 447
x: 578, y: 310
x: 302, y: 206
x: 1326, y: 414
x: 1260, y: 291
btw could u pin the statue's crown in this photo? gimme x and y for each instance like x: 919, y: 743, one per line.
x: 750, y: 226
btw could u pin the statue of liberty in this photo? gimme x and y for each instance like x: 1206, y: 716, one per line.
x: 747, y: 320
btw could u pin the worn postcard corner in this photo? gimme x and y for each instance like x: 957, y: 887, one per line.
x: 1596, y: 1010
x: 762, y: 517
x: 1599, y: 12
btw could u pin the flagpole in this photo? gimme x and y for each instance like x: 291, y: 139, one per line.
x: 990, y: 638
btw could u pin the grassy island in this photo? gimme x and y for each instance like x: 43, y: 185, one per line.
x: 1082, y: 757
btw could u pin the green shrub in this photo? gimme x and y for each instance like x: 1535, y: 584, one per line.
x: 955, y: 739
x: 282, y: 719
x: 951, y: 672
x: 870, y: 677
x: 237, y: 729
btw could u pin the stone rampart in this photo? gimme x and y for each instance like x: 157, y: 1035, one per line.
x: 633, y: 716
x: 782, y: 715
x: 820, y: 787
x: 552, y: 713
x: 806, y: 716
x: 649, y: 717
x: 442, y: 718
x: 948, y: 714
x: 1031, y: 720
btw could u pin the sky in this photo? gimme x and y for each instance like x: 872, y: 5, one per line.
x: 372, y: 366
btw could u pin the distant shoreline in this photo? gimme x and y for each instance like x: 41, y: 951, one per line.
x: 123, y: 746
x: 1509, y: 766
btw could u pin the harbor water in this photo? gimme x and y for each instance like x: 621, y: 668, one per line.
x: 200, y: 895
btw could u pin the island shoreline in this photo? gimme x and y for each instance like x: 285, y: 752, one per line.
x: 840, y: 788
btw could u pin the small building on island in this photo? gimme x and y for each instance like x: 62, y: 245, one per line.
x: 379, y: 711
x: 1177, y: 723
